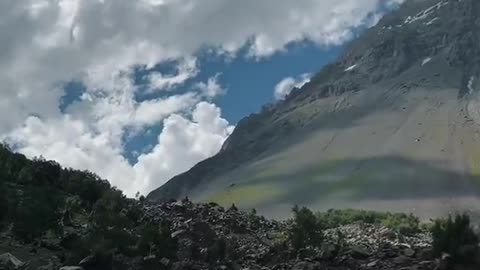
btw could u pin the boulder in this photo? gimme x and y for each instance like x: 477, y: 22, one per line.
x: 359, y: 252
x: 10, y: 262
x: 409, y: 252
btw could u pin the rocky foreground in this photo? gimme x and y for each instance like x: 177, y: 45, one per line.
x: 208, y: 236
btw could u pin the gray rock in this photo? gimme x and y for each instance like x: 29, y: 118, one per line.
x: 372, y: 264
x: 177, y: 233
x: 359, y: 252
x: 446, y: 262
x: 305, y: 266
x: 402, y: 260
x: 72, y: 268
x: 10, y: 262
x: 409, y: 252
x: 87, y: 261
x: 165, y: 261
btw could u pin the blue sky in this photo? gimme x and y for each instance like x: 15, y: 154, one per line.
x: 249, y: 83
x: 140, y: 91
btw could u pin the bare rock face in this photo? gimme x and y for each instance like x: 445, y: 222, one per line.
x: 393, y: 124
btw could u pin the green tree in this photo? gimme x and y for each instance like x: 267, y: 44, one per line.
x: 156, y: 239
x: 36, y: 213
x: 306, y: 229
x: 455, y: 237
x: 3, y: 202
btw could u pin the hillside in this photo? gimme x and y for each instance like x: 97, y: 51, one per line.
x: 393, y: 124
x: 53, y: 218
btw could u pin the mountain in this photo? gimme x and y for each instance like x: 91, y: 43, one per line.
x: 393, y: 124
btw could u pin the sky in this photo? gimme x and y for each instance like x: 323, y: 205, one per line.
x: 139, y: 91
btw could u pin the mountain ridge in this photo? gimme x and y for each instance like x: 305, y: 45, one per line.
x: 427, y: 45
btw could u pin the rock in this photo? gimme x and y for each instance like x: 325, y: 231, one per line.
x: 72, y: 268
x: 402, y: 260
x: 177, y: 233
x: 372, y: 264
x: 409, y: 252
x: 151, y: 262
x: 305, y: 266
x: 427, y: 264
x: 446, y: 262
x: 97, y: 261
x: 388, y: 234
x: 329, y: 251
x: 181, y: 266
x: 425, y: 254
x: 359, y: 252
x: 165, y: 261
x: 10, y: 262
x: 89, y: 260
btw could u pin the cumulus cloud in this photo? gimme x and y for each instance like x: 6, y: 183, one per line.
x: 186, y: 70
x: 211, y: 88
x: 285, y: 86
x: 182, y: 143
x: 45, y: 44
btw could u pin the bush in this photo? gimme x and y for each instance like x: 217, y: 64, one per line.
x: 306, y: 229
x: 156, y: 239
x: 36, y: 213
x: 398, y: 221
x: 455, y: 237
x: 3, y: 202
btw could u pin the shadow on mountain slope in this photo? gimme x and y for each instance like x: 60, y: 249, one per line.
x: 392, y: 182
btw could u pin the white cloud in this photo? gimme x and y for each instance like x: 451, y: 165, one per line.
x: 186, y: 70
x: 211, y: 88
x: 285, y: 86
x: 46, y: 43
x: 153, y: 111
x: 182, y: 143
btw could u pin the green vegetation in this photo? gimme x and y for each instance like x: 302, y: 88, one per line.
x: 398, y: 221
x: 455, y: 237
x: 41, y: 199
x: 36, y: 213
x: 155, y: 239
x: 306, y: 229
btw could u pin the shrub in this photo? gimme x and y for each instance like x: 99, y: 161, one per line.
x: 406, y: 224
x: 156, y: 239
x: 455, y: 237
x: 3, y: 203
x: 36, y: 213
x: 398, y: 221
x: 306, y: 229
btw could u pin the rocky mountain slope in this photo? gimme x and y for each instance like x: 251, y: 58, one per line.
x: 393, y: 124
x: 53, y: 218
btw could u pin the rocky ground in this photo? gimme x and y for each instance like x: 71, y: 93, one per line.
x: 209, y: 236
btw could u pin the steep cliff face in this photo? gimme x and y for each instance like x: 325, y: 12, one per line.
x: 392, y: 124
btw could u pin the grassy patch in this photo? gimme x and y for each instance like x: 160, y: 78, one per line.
x: 250, y: 194
x: 398, y: 221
